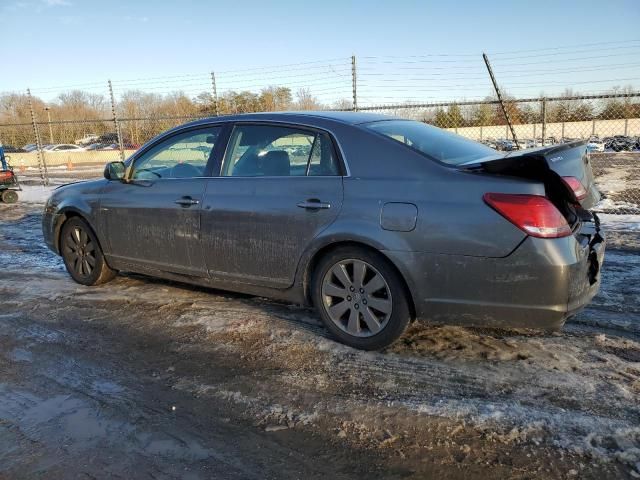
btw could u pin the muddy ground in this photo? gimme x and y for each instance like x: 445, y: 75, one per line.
x: 142, y: 378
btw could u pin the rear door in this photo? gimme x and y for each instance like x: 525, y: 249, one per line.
x: 279, y: 187
x: 154, y: 219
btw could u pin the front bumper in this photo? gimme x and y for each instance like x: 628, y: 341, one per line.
x: 51, y: 228
x: 539, y: 285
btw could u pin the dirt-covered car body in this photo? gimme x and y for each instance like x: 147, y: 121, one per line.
x: 440, y: 225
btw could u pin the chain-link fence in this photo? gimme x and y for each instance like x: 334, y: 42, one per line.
x: 105, y: 121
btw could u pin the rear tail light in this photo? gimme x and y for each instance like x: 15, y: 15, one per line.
x: 533, y: 214
x: 576, y: 186
x: 6, y: 174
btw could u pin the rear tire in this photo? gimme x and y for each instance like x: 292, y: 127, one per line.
x: 82, y: 254
x: 361, y: 298
x: 9, y: 196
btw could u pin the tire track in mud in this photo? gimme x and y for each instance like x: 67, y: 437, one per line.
x: 85, y: 402
x: 432, y: 377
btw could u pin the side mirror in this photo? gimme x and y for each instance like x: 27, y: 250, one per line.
x: 114, y: 171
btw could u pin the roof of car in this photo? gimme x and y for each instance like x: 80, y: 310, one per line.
x: 352, y: 118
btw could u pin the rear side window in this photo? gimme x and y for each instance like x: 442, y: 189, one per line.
x: 446, y: 147
x: 277, y: 151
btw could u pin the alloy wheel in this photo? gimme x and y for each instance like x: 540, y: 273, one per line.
x: 357, y: 298
x: 80, y: 251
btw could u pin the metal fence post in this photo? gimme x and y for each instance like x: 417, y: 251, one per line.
x: 544, y: 119
x: 215, y: 94
x: 116, y: 122
x: 42, y: 164
x: 48, y: 110
x: 593, y: 127
x: 626, y: 127
x: 354, y: 83
x: 501, y: 101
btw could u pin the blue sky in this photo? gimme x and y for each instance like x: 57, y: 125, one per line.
x: 592, y: 45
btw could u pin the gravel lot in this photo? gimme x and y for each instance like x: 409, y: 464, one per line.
x: 145, y: 378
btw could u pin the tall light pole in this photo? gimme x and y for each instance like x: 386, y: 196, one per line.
x: 48, y: 109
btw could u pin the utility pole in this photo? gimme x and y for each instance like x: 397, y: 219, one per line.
x: 215, y: 94
x: 48, y: 110
x: 504, y: 108
x: 354, y: 83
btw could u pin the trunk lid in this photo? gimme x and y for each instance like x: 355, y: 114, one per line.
x: 547, y: 164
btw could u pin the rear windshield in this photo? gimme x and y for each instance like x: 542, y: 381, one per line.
x: 434, y: 142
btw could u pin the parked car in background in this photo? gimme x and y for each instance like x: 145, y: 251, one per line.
x: 489, y: 142
x: 620, y: 143
x: 87, y: 139
x: 595, y: 144
x: 505, y: 145
x: 64, y: 147
x: 108, y: 138
x: 526, y: 143
x: 96, y: 146
x: 30, y: 147
x: 109, y: 146
x: 11, y: 149
x: 372, y: 243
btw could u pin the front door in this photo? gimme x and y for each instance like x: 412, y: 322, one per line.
x: 153, y: 220
x: 280, y: 186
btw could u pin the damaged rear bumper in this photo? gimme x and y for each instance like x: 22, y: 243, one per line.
x: 539, y: 285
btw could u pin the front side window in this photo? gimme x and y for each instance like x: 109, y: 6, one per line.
x: 275, y: 151
x: 184, y: 155
x: 434, y: 142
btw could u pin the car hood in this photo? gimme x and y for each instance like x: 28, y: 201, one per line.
x: 80, y: 186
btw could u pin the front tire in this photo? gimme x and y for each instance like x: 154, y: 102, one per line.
x: 82, y: 254
x: 361, y: 298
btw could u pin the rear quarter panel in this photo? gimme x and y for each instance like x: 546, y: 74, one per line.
x: 452, y: 217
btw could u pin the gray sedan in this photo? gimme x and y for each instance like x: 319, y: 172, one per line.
x: 374, y: 220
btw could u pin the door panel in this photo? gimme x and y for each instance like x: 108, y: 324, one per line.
x: 154, y: 219
x: 144, y: 224
x: 253, y: 230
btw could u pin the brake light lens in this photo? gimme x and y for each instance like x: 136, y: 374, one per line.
x: 578, y: 189
x: 534, y: 214
x: 6, y: 174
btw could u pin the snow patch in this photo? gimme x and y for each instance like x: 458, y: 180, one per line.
x: 624, y: 223
x: 35, y: 193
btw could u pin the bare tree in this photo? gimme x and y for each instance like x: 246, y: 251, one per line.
x: 306, y: 101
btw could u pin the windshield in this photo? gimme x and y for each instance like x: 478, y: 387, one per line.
x: 439, y: 144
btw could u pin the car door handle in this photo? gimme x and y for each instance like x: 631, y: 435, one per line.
x: 314, y: 204
x: 187, y: 201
